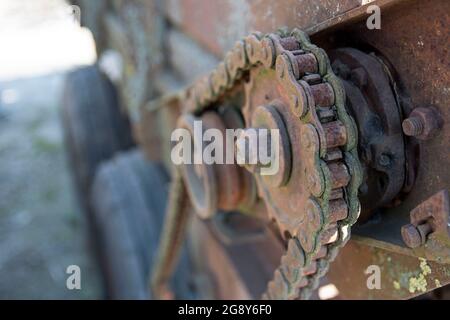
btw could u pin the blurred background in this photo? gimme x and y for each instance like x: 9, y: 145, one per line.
x: 42, y: 230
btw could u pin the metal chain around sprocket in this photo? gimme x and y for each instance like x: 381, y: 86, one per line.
x: 336, y: 205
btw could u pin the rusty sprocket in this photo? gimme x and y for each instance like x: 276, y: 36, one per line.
x: 317, y: 203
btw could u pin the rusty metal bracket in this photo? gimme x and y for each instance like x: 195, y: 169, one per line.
x: 429, y: 228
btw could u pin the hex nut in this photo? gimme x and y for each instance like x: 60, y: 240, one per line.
x: 422, y: 123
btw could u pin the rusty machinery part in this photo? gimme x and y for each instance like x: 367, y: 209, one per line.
x: 236, y: 228
x: 214, y: 186
x: 372, y: 101
x: 315, y: 200
x: 172, y: 234
x: 430, y: 218
x: 313, y: 197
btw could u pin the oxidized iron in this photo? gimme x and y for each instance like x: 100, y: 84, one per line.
x: 430, y: 217
x: 395, y: 81
x: 422, y: 123
x: 323, y: 181
x: 372, y: 101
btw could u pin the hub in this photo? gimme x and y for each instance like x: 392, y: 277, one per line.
x: 372, y: 101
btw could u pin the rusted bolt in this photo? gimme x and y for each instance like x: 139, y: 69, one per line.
x: 422, y: 123
x: 411, y: 236
x: 413, y: 126
x: 415, y: 236
x: 424, y: 230
x: 429, y: 217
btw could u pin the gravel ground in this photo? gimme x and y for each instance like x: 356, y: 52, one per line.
x: 42, y: 231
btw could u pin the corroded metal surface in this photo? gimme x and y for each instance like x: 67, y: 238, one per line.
x: 371, y: 99
x: 172, y: 237
x: 420, y: 63
x: 228, y: 20
x: 402, y: 276
x: 219, y: 186
x: 326, y: 172
x: 430, y: 225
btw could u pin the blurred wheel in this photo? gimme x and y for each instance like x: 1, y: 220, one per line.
x: 129, y: 197
x: 94, y: 127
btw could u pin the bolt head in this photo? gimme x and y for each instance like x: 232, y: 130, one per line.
x: 411, y: 236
